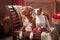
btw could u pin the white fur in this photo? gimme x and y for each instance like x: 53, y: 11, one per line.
x: 40, y: 21
x: 36, y: 10
x: 31, y: 35
x: 20, y: 35
x: 27, y: 24
x: 52, y: 29
x: 45, y: 36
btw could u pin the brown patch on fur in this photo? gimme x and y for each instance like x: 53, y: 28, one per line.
x: 46, y: 14
x: 54, y: 35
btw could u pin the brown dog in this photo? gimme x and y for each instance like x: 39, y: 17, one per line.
x: 28, y: 21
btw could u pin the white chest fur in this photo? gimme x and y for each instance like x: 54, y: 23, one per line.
x: 27, y: 25
x: 40, y: 20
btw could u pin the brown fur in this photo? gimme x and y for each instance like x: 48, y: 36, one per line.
x: 27, y: 13
x: 46, y: 14
x: 54, y: 35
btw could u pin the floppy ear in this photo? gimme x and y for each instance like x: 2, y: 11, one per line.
x: 33, y: 20
x: 46, y: 14
x: 47, y: 22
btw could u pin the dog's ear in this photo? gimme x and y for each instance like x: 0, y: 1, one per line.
x: 30, y: 8
x: 46, y: 14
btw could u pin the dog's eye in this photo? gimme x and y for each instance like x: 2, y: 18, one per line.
x: 38, y: 11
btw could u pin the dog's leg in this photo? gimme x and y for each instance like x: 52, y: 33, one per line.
x: 31, y: 35
x: 20, y: 35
